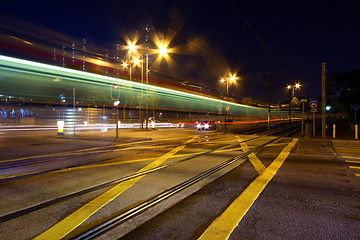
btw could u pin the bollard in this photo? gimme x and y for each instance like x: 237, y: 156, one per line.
x: 60, y: 125
x: 334, y: 131
x: 356, y: 131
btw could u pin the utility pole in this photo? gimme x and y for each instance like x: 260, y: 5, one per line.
x: 269, y: 100
x: 289, y: 106
x: 74, y: 103
x: 323, y: 103
x: 268, y: 84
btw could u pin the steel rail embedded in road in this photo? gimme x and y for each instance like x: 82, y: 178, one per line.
x: 25, y: 161
x: 180, y: 187
x: 120, y: 219
x: 49, y: 203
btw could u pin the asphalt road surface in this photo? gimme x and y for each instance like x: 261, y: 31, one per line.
x: 60, y: 187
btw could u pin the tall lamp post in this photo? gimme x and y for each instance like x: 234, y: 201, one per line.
x: 292, y: 89
x: 131, y: 48
x: 162, y: 51
x: 230, y: 80
x: 227, y: 81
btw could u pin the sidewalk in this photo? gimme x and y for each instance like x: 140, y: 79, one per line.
x: 314, y: 195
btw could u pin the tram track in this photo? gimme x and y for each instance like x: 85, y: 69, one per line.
x: 123, y: 217
x: 43, y: 205
x: 92, y: 152
x: 154, y: 200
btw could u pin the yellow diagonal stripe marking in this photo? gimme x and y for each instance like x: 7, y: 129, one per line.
x: 354, y: 167
x: 352, y: 161
x: 351, y: 157
x: 116, y: 163
x: 223, y: 226
x: 81, y: 151
x: 18, y: 175
x: 259, y: 167
x: 68, y: 224
x: 357, y: 174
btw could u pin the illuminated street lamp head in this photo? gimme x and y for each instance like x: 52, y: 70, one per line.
x: 233, y: 78
x: 222, y: 80
x: 132, y: 47
x: 297, y: 85
x: 124, y: 64
x: 162, y: 50
x: 288, y: 86
x: 136, y: 61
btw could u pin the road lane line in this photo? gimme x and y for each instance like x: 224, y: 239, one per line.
x: 113, y: 163
x: 18, y: 175
x: 255, y: 161
x: 69, y: 223
x: 81, y: 151
x: 223, y: 226
x: 351, y: 157
x: 276, y: 144
x: 352, y: 161
x: 67, y: 153
x: 354, y: 167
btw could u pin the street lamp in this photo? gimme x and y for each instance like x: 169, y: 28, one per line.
x: 131, y: 47
x: 231, y: 79
x: 292, y: 89
x: 162, y: 51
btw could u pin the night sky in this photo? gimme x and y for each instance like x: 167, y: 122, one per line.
x: 288, y: 38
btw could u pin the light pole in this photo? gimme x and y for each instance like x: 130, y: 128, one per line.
x: 292, y: 88
x: 132, y: 48
x: 144, y: 53
x: 303, y: 101
x: 162, y: 52
x: 231, y: 79
x: 116, y: 105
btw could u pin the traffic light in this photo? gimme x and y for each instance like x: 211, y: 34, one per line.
x: 328, y: 108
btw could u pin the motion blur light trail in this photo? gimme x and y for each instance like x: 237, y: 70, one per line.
x: 33, y: 81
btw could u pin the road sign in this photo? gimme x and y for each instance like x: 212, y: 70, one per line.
x: 227, y: 109
x: 314, y: 103
x: 355, y: 106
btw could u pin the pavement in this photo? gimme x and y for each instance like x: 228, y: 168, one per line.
x: 314, y: 195
x: 21, y: 144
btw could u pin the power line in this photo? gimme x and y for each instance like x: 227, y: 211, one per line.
x: 250, y: 27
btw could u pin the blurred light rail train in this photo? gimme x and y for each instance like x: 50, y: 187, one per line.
x: 39, y: 92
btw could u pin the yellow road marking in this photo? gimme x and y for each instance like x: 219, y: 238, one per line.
x: 354, y: 167
x: 114, y: 163
x: 259, y: 167
x: 223, y: 226
x: 68, y: 224
x: 351, y: 157
x: 352, y: 161
x: 17, y: 175
x: 75, y: 152
x: 276, y: 144
x: 357, y: 174
x: 80, y: 151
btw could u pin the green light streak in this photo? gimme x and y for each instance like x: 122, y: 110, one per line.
x: 23, y: 77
